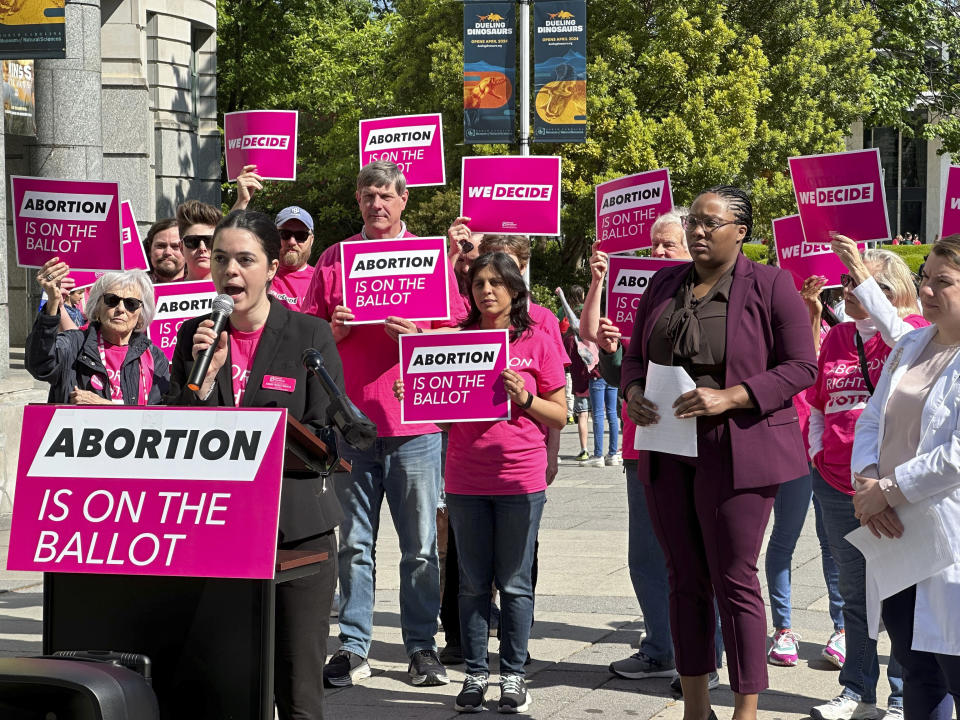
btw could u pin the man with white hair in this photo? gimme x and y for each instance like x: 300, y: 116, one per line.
x: 667, y: 238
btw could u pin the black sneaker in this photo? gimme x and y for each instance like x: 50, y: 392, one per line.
x: 713, y: 682
x: 344, y: 669
x: 514, y: 697
x: 426, y: 669
x: 452, y: 654
x: 471, y: 697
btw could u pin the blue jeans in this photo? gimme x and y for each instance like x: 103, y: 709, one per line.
x: 789, y: 514
x: 603, y: 401
x: 496, y: 535
x: 405, y: 470
x: 648, y: 573
x: 861, y: 668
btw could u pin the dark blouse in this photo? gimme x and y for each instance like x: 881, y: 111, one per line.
x: 692, y: 333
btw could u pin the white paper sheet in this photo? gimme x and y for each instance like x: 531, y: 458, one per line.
x: 893, y: 565
x: 671, y: 434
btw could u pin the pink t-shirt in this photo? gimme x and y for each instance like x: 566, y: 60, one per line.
x: 114, y: 356
x: 841, y: 394
x: 371, y: 359
x: 290, y: 286
x: 507, y: 457
x: 545, y: 321
x: 243, y: 348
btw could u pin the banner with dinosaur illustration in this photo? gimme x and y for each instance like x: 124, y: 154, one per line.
x: 560, y: 71
x: 489, y: 72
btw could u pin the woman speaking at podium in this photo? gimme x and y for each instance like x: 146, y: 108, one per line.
x: 257, y: 364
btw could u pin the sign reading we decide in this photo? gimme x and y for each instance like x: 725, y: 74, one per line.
x: 148, y: 491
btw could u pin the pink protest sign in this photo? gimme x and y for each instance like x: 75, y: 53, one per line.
x: 511, y: 194
x: 627, y: 208
x: 406, y: 278
x: 75, y: 220
x: 148, y: 491
x: 413, y: 142
x: 842, y: 193
x: 951, y: 204
x: 627, y: 280
x: 134, y: 257
x: 177, y: 302
x: 454, y: 377
x: 265, y: 138
x: 803, y: 259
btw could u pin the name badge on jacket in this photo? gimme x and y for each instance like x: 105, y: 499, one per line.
x: 276, y: 382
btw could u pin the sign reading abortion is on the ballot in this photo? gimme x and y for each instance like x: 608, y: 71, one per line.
x: 842, y: 193
x: 951, y: 205
x: 511, y: 194
x: 75, y: 220
x: 265, y: 138
x: 134, y: 258
x: 413, y: 142
x: 627, y: 208
x: 148, y: 491
x: 406, y: 278
x: 627, y: 280
x: 177, y: 302
x: 803, y: 259
x: 454, y: 377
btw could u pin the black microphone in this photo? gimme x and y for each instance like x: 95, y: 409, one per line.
x: 355, y: 427
x: 222, y: 307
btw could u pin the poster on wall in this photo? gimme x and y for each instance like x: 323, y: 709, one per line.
x: 560, y: 71
x: 489, y: 72
x: 32, y: 29
x: 19, y: 104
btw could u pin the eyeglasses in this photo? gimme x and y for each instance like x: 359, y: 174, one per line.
x: 466, y: 246
x: 709, y: 224
x: 130, y: 304
x: 300, y: 235
x: 846, y: 280
x: 192, y: 242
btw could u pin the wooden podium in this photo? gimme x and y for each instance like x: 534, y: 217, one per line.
x: 210, y: 640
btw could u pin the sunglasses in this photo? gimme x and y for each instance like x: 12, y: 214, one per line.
x: 192, y: 242
x: 847, y: 281
x: 466, y: 246
x: 300, y: 235
x: 131, y: 305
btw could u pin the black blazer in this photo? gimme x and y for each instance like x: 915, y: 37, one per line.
x: 304, y: 510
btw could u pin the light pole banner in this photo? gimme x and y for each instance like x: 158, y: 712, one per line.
x: 560, y: 71
x: 489, y: 71
x: 148, y: 491
x: 627, y: 280
x: 33, y: 29
x: 841, y: 193
x: 265, y: 138
x: 511, y: 194
x: 454, y: 377
x: 413, y: 142
x: 951, y: 205
x: 627, y: 208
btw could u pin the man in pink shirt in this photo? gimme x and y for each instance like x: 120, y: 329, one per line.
x: 293, y: 277
x: 403, y: 465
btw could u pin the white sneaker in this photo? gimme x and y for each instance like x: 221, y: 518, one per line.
x: 844, y: 707
x: 615, y: 459
x: 894, y: 712
x: 595, y: 461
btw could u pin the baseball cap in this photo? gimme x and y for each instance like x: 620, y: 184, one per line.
x: 295, y: 213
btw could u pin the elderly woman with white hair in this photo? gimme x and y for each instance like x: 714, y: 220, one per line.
x: 110, y: 361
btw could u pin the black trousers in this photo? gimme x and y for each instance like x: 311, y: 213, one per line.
x: 302, y: 627
x: 929, y: 679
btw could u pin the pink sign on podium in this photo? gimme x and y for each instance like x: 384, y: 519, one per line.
x: 148, y: 491
x: 413, y: 142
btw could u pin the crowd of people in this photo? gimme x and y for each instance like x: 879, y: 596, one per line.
x: 859, y: 418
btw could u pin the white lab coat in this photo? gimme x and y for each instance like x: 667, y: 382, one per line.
x: 931, y: 478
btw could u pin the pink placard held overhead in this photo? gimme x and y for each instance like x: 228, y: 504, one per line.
x: 413, y: 142
x: 803, y: 259
x: 627, y: 280
x: 405, y: 278
x: 511, y: 194
x: 265, y: 138
x: 842, y: 193
x: 454, y: 377
x: 134, y: 258
x: 177, y: 302
x: 75, y: 220
x: 627, y: 208
x: 148, y: 491
x: 951, y: 205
